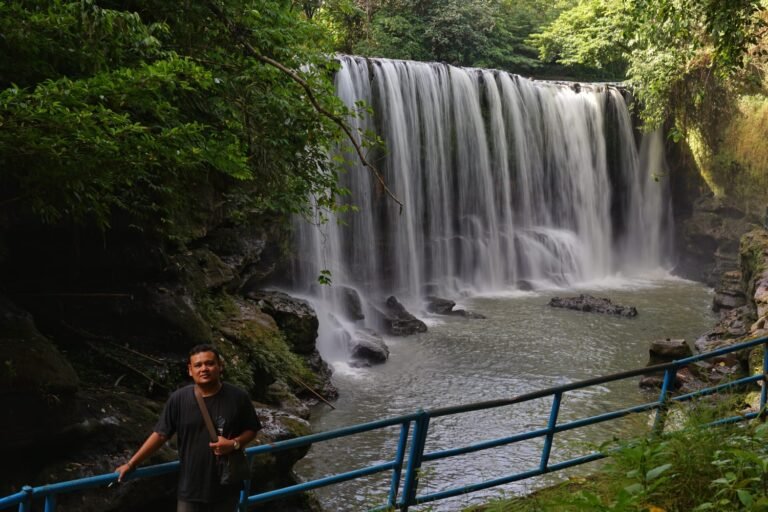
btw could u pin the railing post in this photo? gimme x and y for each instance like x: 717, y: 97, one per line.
x: 50, y: 503
x: 418, y: 441
x: 661, y: 412
x: 398, y: 469
x: 242, y: 505
x: 26, y: 505
x: 556, y: 400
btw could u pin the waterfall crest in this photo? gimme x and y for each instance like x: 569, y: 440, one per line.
x: 504, y: 180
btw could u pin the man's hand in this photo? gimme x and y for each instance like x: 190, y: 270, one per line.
x: 223, y: 446
x: 124, y: 470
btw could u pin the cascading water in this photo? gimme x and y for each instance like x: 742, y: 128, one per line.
x: 505, y: 181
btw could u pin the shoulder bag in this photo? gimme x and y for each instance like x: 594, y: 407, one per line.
x: 234, y: 467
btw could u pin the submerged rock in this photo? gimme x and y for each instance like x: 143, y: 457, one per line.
x: 367, y: 345
x: 441, y: 306
x: 590, y: 304
x: 397, y: 321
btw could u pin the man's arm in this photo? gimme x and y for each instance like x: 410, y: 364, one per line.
x: 150, y: 446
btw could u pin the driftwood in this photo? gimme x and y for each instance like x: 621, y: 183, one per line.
x: 318, y: 395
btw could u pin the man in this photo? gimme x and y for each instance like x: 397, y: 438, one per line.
x: 232, y: 414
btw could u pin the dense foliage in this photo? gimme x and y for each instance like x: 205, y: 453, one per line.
x: 679, y: 55
x: 146, y: 112
x: 481, y: 33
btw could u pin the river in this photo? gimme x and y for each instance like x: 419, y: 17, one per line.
x: 523, y: 345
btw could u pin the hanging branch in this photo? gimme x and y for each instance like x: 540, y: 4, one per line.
x: 310, y: 94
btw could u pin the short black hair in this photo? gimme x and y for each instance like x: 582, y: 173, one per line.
x: 203, y: 347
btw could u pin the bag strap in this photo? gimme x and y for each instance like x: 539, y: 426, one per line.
x: 206, y: 415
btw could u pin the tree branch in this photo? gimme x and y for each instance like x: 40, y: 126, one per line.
x: 310, y: 94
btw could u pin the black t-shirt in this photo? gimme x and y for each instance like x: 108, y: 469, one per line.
x: 232, y: 413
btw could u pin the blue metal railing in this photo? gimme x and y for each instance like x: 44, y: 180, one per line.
x: 414, y: 429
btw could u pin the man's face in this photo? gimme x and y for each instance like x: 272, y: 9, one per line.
x: 204, y: 368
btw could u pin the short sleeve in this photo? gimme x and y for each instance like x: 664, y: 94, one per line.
x: 167, y: 424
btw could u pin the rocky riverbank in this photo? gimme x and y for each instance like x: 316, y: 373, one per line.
x: 741, y: 299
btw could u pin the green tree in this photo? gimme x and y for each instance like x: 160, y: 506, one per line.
x: 679, y: 55
x: 143, y: 112
x: 483, y: 33
x: 592, y: 33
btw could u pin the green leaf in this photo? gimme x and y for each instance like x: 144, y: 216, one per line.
x: 655, y: 472
x: 745, y: 497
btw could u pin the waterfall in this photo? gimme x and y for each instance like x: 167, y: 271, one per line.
x: 504, y: 180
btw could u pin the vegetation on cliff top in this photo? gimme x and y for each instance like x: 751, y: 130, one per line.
x: 698, y: 67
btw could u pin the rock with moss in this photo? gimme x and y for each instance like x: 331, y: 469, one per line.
x: 259, y: 354
x: 203, y: 269
x: 295, y: 317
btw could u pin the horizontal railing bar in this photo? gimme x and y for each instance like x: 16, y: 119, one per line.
x: 321, y: 482
x: 733, y: 419
x: 601, y: 418
x: 13, y: 499
x: 458, y: 491
x: 715, y: 389
x: 442, y: 454
x: 99, y: 480
x: 489, y: 404
x: 331, y: 434
x: 591, y: 457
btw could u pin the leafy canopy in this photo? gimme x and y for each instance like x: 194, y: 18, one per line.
x: 145, y: 113
x: 481, y: 33
x: 674, y: 52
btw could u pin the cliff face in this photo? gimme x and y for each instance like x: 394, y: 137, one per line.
x: 708, y: 239
x: 741, y: 297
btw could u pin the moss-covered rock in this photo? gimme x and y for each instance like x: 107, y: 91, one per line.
x: 295, y: 317
x: 257, y: 352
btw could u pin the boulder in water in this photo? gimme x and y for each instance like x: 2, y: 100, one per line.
x: 367, y: 345
x: 398, y: 321
x: 666, y: 351
x: 524, y: 285
x: 350, y: 301
x: 590, y: 304
x: 441, y: 306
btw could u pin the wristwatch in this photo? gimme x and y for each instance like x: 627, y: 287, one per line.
x: 237, y: 444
